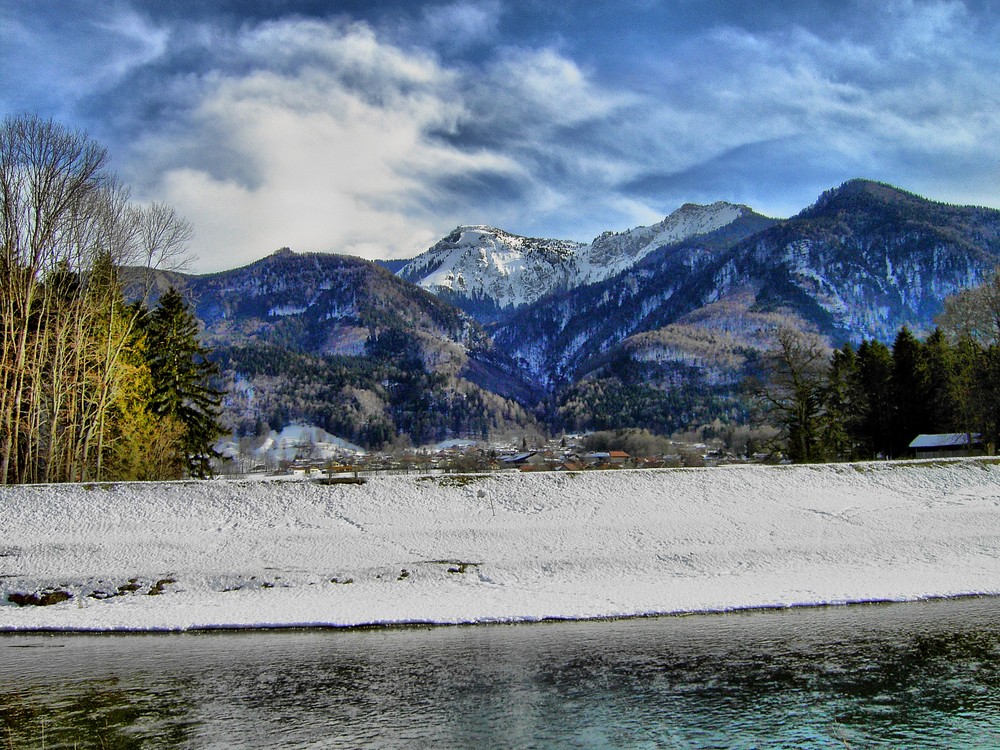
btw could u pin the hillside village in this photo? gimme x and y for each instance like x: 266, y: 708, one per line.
x: 306, y: 451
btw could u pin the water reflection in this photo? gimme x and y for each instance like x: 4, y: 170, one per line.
x: 916, y: 675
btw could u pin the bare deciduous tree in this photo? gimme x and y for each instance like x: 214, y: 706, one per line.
x: 792, y: 396
x: 974, y: 313
x: 67, y: 227
x: 47, y: 175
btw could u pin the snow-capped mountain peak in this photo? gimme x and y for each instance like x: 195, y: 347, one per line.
x: 613, y: 252
x: 486, y: 267
x: 485, y: 270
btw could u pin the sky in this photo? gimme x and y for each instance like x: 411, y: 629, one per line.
x: 375, y: 128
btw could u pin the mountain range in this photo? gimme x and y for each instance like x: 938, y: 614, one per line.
x: 651, y: 327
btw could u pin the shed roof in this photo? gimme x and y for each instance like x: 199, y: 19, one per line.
x: 519, y: 458
x: 945, y: 440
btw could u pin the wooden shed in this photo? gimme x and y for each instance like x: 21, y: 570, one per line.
x: 948, y: 444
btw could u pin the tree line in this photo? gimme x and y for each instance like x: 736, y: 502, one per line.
x: 91, y: 387
x: 873, y: 400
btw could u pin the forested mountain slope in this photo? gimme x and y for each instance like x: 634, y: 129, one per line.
x: 347, y: 345
x: 664, y: 342
x: 863, y: 261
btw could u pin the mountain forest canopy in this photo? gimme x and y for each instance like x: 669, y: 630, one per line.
x: 78, y: 365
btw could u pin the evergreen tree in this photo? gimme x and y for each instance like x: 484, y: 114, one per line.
x: 988, y: 394
x: 965, y: 386
x: 842, y: 399
x: 180, y: 374
x: 141, y: 445
x: 910, y: 392
x: 876, y: 413
x: 939, y: 364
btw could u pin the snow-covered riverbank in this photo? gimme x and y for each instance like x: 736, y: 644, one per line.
x: 498, y: 547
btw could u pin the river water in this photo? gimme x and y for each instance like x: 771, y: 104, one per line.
x: 921, y: 675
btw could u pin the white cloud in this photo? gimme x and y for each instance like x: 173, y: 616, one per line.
x: 131, y: 42
x: 331, y: 135
x: 349, y: 52
x: 324, y: 136
x: 460, y: 25
x: 917, y: 29
x: 541, y: 89
x: 917, y: 79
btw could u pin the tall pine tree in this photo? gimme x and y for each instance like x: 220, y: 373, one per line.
x: 875, y: 381
x: 911, y: 392
x: 180, y: 374
x: 939, y: 359
x: 843, y: 401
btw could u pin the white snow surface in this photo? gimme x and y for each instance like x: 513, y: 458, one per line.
x: 498, y: 547
x: 298, y: 439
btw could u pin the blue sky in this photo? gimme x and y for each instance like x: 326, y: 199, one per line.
x: 374, y: 128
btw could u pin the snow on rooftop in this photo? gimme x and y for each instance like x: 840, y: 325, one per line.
x: 945, y: 440
x: 455, y: 443
x: 496, y: 547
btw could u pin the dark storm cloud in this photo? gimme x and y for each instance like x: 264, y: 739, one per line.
x: 800, y: 166
x: 479, y: 189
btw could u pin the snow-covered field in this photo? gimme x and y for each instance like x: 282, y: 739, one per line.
x: 496, y: 547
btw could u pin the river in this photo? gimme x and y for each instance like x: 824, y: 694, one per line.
x: 919, y: 675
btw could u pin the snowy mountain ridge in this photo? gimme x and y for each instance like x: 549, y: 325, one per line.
x: 865, y: 260
x: 614, y: 252
x: 483, y: 265
x: 484, y: 269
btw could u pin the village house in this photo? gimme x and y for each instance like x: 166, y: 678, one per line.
x: 526, y: 460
